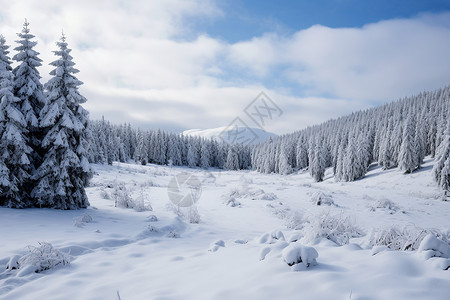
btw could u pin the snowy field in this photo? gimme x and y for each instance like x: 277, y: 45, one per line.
x: 251, y: 226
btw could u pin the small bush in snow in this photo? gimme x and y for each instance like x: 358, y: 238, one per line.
x: 142, y: 202
x: 193, y: 215
x: 319, y: 198
x: 294, y: 220
x: 173, y: 234
x: 385, y: 204
x: 152, y: 218
x: 336, y: 228
x: 38, y: 259
x: 121, y: 196
x: 232, y: 202
x: 299, y: 257
x: 82, y: 220
x: 265, y: 196
x: 104, y: 194
x: 403, y: 239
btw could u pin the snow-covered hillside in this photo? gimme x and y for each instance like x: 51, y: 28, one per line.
x: 233, y: 134
x: 251, y: 227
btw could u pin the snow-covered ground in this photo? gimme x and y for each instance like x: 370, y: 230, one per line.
x: 251, y: 227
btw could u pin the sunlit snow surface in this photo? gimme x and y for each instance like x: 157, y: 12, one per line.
x: 235, y: 252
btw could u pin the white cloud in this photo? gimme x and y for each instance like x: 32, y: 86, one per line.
x: 142, y: 62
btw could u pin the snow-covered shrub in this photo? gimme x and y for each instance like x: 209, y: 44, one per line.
x: 148, y: 183
x: 299, y: 257
x: 82, y: 220
x: 434, y: 247
x: 104, y: 194
x: 38, y: 259
x: 405, y: 238
x: 264, y: 196
x: 294, y: 220
x: 233, y: 202
x: 173, y: 234
x: 385, y: 204
x: 121, y: 196
x: 193, y: 215
x: 336, y: 228
x: 142, y: 202
x: 319, y: 198
x: 152, y: 218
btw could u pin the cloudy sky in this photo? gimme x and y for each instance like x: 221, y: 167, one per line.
x: 182, y: 64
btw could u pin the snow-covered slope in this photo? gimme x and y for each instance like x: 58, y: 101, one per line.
x: 251, y: 227
x: 233, y: 134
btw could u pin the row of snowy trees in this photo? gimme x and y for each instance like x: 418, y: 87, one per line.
x: 399, y: 134
x: 43, y: 128
x: 123, y: 143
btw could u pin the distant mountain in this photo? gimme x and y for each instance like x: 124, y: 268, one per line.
x: 232, y: 135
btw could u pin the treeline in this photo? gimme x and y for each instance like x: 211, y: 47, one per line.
x: 110, y: 142
x: 398, y: 134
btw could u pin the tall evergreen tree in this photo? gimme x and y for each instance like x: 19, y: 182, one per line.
x: 441, y: 169
x: 28, y: 88
x: 65, y: 170
x: 317, y: 161
x: 407, y: 159
x: 14, y: 150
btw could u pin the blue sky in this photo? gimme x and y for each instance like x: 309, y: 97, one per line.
x: 184, y: 64
x: 243, y: 20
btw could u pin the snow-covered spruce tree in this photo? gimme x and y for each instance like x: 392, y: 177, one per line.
x: 65, y: 171
x: 14, y: 150
x: 205, y: 154
x: 407, y: 158
x: 284, y: 166
x: 317, y: 161
x: 28, y: 88
x: 354, y: 161
x: 441, y: 169
x: 232, y: 162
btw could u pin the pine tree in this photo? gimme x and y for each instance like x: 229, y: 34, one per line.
x: 284, y: 166
x: 232, y: 162
x: 193, y: 155
x: 354, y: 164
x: 28, y: 88
x: 15, y: 165
x: 301, y: 154
x: 441, y: 169
x: 317, y: 161
x: 65, y: 170
x: 205, y: 155
x: 407, y: 158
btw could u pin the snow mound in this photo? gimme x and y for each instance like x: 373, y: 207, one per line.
x: 299, y: 257
x: 271, y: 237
x: 38, y: 259
x: 216, y: 245
x: 431, y: 246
